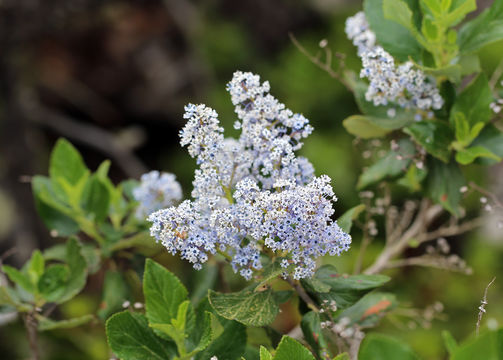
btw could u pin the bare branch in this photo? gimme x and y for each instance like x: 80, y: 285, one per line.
x: 482, y: 307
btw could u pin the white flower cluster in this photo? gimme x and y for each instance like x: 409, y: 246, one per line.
x: 390, y: 83
x: 156, y: 191
x: 253, y: 193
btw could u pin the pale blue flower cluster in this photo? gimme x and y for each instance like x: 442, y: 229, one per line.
x: 252, y: 194
x: 156, y: 191
x: 390, y: 83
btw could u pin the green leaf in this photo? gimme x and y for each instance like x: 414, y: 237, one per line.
x: 45, y: 324
x: 369, y: 309
x: 345, y: 221
x: 130, y: 338
x: 289, y: 349
x: 443, y: 184
x: 95, y: 198
x: 413, y: 178
x: 77, y: 267
x: 392, y: 165
x: 393, y: 37
x: 311, y: 328
x: 492, y: 139
x: 54, y: 214
x: 8, y: 296
x: 383, y: 347
x: 474, y: 102
x: 115, y: 292
x: 343, y: 356
x: 265, y: 354
x: 19, y: 278
x: 163, y: 293
x: 458, y: 12
x: 484, y: 29
x: 52, y: 283
x: 252, y: 308
x: 435, y: 136
x: 66, y: 163
x: 399, y: 12
x: 487, y: 345
x: 35, y: 266
x: 204, y: 333
x: 468, y: 155
x: 228, y: 346
x: 346, y: 290
x: 449, y: 341
x: 364, y: 127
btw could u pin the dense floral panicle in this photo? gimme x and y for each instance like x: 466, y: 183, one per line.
x: 252, y: 193
x: 156, y: 191
x: 391, y: 83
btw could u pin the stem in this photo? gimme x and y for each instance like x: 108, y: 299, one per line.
x: 482, y: 308
x: 303, y: 294
x: 31, y: 331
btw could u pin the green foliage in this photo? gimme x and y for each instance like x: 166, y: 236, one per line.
x: 252, y: 308
x: 345, y: 290
x: 115, y: 292
x: 345, y: 221
x: 488, y: 345
x: 368, y: 310
x: 443, y: 184
x: 311, y: 328
x: 435, y: 136
x: 382, y: 347
x: 289, y: 348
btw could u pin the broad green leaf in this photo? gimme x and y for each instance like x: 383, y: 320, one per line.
x: 443, y: 183
x: 115, y: 292
x: 392, y: 165
x: 468, y: 155
x: 364, y: 127
x: 202, y: 335
x: 474, y: 102
x: 346, y: 290
x: 369, y: 309
x: 252, y: 308
x: 53, y: 282
x: 102, y: 171
x: 450, y: 343
x: 130, y: 338
x: 458, y: 12
x: 19, y: 278
x: 384, y: 347
x: 345, y: 221
x: 488, y: 346
x: 265, y: 354
x: 434, y: 135
x: 399, y: 12
x: 53, y: 213
x: 413, y: 178
x: 229, y: 338
x: 35, y: 266
x: 282, y: 296
x: 393, y: 37
x: 484, y: 29
x: 45, y: 324
x: 95, y: 198
x: 492, y: 139
x: 311, y: 328
x: 163, y: 293
x: 77, y: 267
x: 289, y: 349
x: 66, y: 163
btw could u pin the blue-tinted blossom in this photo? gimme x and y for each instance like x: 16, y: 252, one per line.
x: 252, y: 194
x: 156, y: 191
x: 390, y: 83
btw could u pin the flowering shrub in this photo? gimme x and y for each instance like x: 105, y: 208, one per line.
x: 258, y: 208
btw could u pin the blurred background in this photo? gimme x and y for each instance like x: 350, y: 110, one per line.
x: 113, y: 77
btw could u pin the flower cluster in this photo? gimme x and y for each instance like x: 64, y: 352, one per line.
x: 391, y: 83
x: 251, y: 194
x: 156, y: 191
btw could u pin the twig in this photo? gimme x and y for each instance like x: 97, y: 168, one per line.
x: 303, y: 294
x: 483, y: 191
x: 31, y: 331
x: 84, y: 133
x: 325, y: 66
x: 482, y: 307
